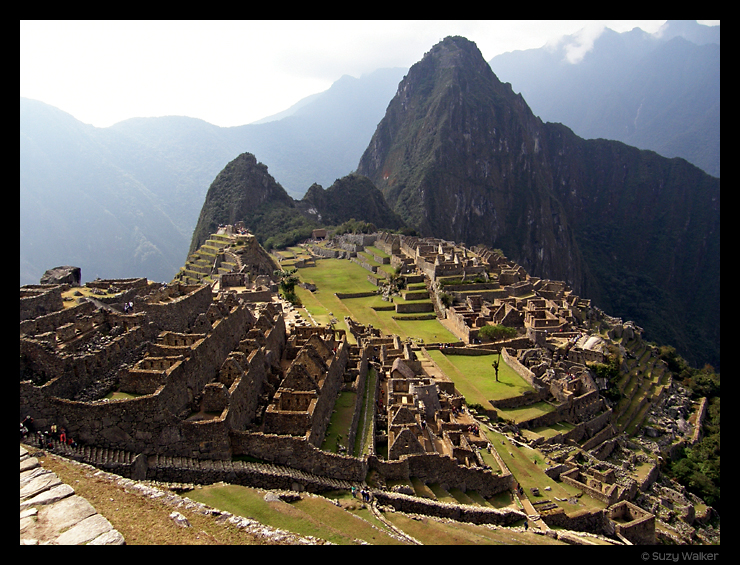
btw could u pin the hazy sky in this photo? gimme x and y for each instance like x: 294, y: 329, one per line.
x: 235, y: 72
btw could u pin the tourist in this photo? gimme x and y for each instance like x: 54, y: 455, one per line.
x: 29, y: 425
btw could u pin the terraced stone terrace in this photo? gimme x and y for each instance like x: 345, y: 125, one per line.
x: 644, y: 379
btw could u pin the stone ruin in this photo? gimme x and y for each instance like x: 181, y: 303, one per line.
x: 195, y: 374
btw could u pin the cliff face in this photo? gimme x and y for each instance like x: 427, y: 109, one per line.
x: 460, y: 156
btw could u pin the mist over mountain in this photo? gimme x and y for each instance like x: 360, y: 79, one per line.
x: 459, y: 155
x: 653, y: 91
x: 123, y: 201
x: 82, y: 202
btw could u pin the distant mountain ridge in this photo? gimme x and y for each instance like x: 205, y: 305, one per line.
x: 653, y: 91
x: 124, y: 200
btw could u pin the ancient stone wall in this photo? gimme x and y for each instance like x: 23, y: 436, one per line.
x: 633, y: 523
x: 519, y: 369
x: 178, y: 314
x: 38, y: 300
x: 245, y: 392
x: 69, y: 374
x: 343, y: 295
x: 459, y: 512
x: 414, y: 307
x: 152, y: 423
x: 297, y: 453
x: 51, y: 321
x: 608, y: 494
x: 359, y: 387
x: 593, y: 521
x: 365, y: 265
x: 329, y: 392
x: 433, y: 468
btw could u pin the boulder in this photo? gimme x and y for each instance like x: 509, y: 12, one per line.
x: 62, y: 275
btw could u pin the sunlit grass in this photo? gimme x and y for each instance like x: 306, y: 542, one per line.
x: 475, y: 378
x: 345, y: 277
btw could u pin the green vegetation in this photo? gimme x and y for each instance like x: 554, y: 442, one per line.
x: 496, y: 332
x: 333, y: 276
x: 457, y: 281
x: 335, y: 439
x: 310, y: 516
x: 699, y: 467
x: 288, y: 280
x: 363, y: 438
x: 475, y: 378
x: 610, y: 372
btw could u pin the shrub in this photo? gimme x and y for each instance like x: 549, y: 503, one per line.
x: 496, y: 332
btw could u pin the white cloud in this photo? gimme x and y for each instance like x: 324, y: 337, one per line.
x: 582, y: 42
x: 235, y: 72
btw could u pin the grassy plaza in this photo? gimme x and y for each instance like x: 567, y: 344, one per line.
x: 346, y: 277
x: 475, y: 377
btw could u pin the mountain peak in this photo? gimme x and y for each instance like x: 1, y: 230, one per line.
x: 461, y: 157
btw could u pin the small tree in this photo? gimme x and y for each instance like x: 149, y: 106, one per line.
x: 288, y: 279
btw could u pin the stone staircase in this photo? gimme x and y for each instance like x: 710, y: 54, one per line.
x: 199, y: 266
x: 52, y: 514
x: 187, y: 470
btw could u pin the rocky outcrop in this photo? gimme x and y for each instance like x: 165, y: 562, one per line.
x: 62, y: 275
x: 52, y: 514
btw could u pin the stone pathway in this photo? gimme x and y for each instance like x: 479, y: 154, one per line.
x: 52, y: 514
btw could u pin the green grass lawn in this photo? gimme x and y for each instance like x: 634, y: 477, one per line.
x: 528, y: 466
x: 363, y: 438
x: 311, y: 516
x: 345, y: 277
x: 525, y: 413
x: 475, y: 378
x: 338, y: 430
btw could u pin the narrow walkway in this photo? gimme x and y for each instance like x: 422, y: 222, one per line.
x: 52, y: 514
x: 532, y: 515
x: 403, y: 536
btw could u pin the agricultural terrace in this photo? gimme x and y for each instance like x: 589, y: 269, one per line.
x: 338, y: 275
x: 287, y: 257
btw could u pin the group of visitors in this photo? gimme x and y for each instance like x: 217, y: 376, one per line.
x: 128, y: 307
x: 45, y: 439
x: 366, y: 494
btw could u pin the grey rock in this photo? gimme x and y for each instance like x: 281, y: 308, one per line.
x: 50, y: 496
x: 85, y: 531
x: 180, y: 520
x: 111, y: 537
x: 39, y: 484
x: 62, y: 275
